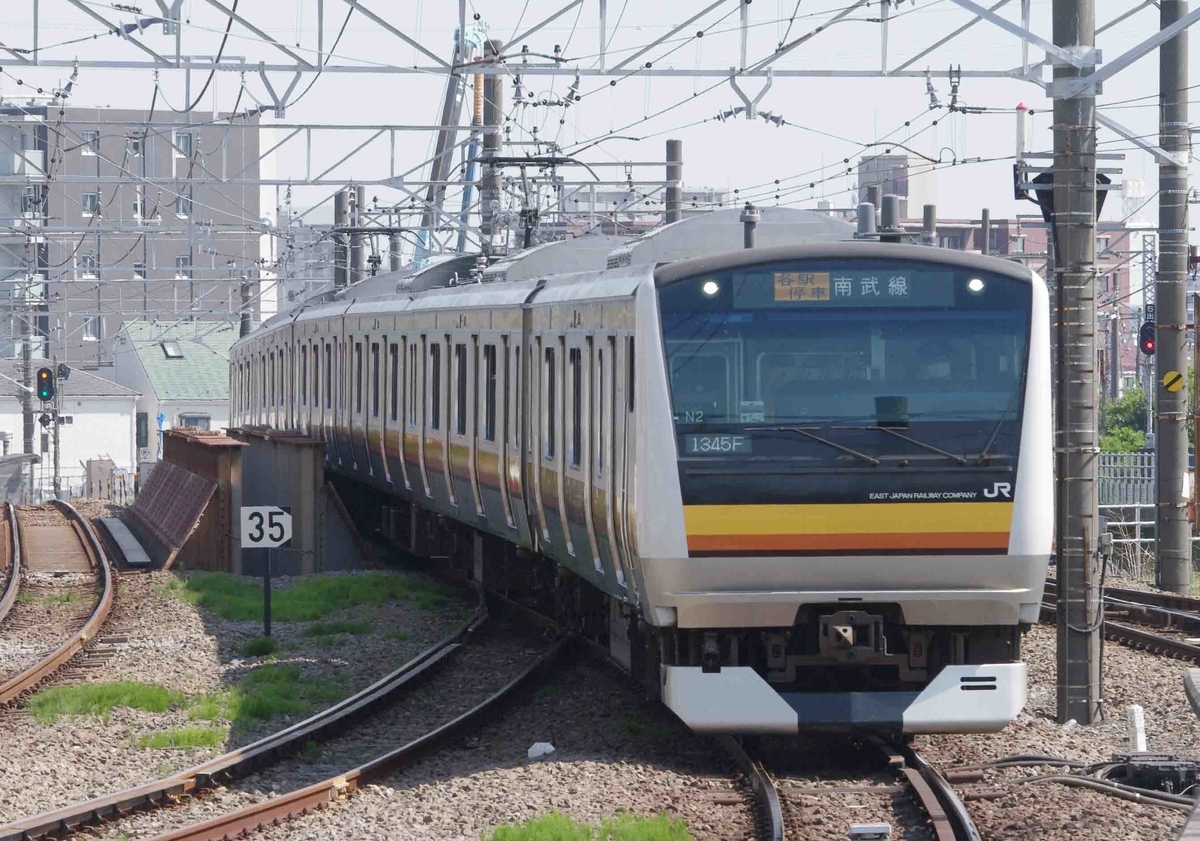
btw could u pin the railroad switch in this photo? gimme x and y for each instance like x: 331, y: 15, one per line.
x: 870, y: 832
x: 1157, y: 771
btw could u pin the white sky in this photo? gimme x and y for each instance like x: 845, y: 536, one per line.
x: 736, y: 154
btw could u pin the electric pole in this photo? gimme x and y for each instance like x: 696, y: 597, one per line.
x: 1074, y: 229
x: 1173, y: 553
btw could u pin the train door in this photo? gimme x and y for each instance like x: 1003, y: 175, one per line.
x: 588, y: 413
x: 449, y: 388
x: 474, y: 419
x: 488, y: 440
x: 572, y: 480
x: 537, y: 439
x: 553, y: 448
x: 623, y: 406
x: 410, y: 408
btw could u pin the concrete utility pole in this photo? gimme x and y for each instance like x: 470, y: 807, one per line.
x: 985, y: 226
x: 244, y: 312
x: 493, y: 115
x: 674, y: 206
x: 929, y: 225
x: 341, y: 218
x: 1114, y: 357
x: 1171, y: 444
x: 1076, y: 439
x: 358, y: 218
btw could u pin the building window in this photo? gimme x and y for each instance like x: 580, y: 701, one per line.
x: 183, y: 144
x: 1102, y: 244
x: 91, y: 204
x: 93, y: 328
x: 87, y: 265
x: 195, y: 421
x: 183, y: 206
x: 1018, y: 244
x: 954, y: 242
x: 143, y: 429
x: 133, y: 144
x: 139, y: 206
x: 139, y: 271
x: 90, y: 144
x: 171, y: 349
x: 183, y: 267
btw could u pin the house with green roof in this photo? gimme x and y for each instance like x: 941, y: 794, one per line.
x: 181, y: 372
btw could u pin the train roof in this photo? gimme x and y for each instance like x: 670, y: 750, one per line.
x: 857, y: 249
x: 721, y: 231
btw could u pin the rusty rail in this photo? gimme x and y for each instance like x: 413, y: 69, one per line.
x: 292, y: 804
x: 14, y: 563
x: 1127, y: 634
x: 770, y: 812
x: 27, y: 680
x: 151, y: 795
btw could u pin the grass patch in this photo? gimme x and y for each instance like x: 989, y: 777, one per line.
x: 68, y: 597
x: 258, y: 647
x: 184, y: 737
x: 273, y: 689
x: 100, y: 698
x: 558, y: 827
x: 641, y: 726
x: 338, y: 626
x: 403, y: 635
x: 309, y: 599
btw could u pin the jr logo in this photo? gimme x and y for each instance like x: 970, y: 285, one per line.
x: 999, y: 489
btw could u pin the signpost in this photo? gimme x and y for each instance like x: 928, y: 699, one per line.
x: 266, y: 527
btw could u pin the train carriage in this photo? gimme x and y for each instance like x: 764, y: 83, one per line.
x: 804, y: 485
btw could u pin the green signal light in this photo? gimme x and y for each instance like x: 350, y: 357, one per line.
x: 45, y: 384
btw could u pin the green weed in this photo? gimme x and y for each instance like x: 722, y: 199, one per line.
x: 184, y: 737
x: 309, y: 599
x: 400, y: 634
x: 273, y: 689
x: 258, y: 647
x: 68, y: 597
x: 642, y: 726
x: 625, y: 827
x: 100, y: 698
x: 311, y: 751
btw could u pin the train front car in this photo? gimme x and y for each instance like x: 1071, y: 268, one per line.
x: 864, y: 474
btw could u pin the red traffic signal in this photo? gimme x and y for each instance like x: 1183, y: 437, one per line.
x: 1146, y: 339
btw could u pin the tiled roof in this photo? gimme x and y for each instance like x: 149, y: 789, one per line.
x: 80, y: 383
x: 200, y: 372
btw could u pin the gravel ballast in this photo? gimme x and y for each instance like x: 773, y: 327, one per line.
x: 171, y: 643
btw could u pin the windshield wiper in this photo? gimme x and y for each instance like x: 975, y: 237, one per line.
x: 806, y: 432
x: 982, y: 455
x: 960, y: 459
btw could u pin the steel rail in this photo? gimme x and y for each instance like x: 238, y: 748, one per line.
x: 14, y: 563
x: 292, y: 804
x: 770, y: 810
x: 27, y: 680
x: 1129, y: 635
x: 951, y: 820
x: 154, y: 794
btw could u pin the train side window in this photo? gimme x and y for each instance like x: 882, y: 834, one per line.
x: 460, y: 397
x: 598, y: 414
x: 412, y: 384
x: 629, y: 384
x: 358, y: 378
x: 328, y: 376
x: 549, y: 414
x: 515, y: 424
x: 316, y: 374
x: 303, y: 375
x: 435, y: 385
x: 575, y: 358
x: 271, y: 378
x: 374, y: 379
x: 394, y: 360
x: 489, y: 393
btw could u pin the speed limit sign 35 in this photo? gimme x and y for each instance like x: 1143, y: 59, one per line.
x: 265, y: 526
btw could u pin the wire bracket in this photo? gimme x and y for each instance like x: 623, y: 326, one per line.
x: 751, y: 104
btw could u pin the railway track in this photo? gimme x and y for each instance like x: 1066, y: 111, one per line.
x: 267, y: 751
x: 71, y: 546
x: 781, y: 812
x: 1161, y: 610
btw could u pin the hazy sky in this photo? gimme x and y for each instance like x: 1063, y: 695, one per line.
x: 739, y: 154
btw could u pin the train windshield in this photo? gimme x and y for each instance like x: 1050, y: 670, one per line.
x: 845, y: 348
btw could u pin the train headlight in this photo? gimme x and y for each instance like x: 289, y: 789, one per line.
x: 975, y: 285
x: 710, y: 288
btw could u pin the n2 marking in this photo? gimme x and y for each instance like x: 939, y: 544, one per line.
x: 999, y: 489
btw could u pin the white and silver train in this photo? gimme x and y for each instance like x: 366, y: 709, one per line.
x: 805, y: 485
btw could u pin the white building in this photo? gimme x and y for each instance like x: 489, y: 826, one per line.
x: 181, y: 373
x: 97, y: 423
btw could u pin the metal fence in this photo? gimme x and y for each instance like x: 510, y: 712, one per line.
x: 1126, y: 479
x: 1127, y: 502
